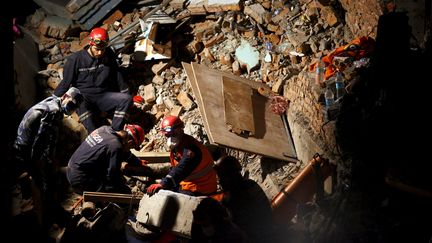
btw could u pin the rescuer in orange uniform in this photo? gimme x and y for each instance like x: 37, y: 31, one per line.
x: 192, y: 170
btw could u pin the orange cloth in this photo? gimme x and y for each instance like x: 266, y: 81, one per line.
x: 356, y: 49
x: 218, y: 196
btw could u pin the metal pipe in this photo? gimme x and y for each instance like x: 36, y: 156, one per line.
x: 299, y: 190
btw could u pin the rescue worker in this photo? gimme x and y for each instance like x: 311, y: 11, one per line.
x: 213, y: 224
x: 138, y: 114
x: 245, y: 200
x: 95, y: 72
x: 34, y: 150
x: 96, y: 164
x: 192, y: 170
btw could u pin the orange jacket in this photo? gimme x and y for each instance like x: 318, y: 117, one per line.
x: 356, y: 49
x: 203, y: 179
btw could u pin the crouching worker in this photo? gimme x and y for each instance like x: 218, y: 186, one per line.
x: 34, y: 151
x: 96, y: 164
x: 246, y: 200
x: 213, y: 224
x: 192, y: 170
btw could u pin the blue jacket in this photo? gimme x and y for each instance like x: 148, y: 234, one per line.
x: 92, y: 75
x: 97, y: 161
x: 38, y: 131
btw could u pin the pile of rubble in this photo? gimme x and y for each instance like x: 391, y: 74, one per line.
x: 264, y: 41
x: 269, y: 42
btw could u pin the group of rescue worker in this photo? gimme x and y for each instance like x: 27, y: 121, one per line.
x: 92, y: 84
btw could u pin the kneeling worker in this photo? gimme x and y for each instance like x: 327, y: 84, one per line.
x: 96, y: 164
x: 192, y: 170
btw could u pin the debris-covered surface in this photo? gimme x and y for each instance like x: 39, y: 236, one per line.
x: 269, y: 42
x: 266, y: 43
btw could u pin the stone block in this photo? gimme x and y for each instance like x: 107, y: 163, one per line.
x: 117, y: 15
x: 329, y: 16
x: 256, y: 11
x: 176, y: 110
x: 158, y: 80
x: 149, y: 93
x: 55, y: 26
x: 168, y: 211
x: 185, y: 101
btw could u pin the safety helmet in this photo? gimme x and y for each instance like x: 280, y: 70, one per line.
x: 136, y: 132
x: 170, y: 124
x: 99, y: 38
x: 138, y: 99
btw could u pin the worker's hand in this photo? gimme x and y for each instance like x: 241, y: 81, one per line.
x: 153, y: 188
x: 144, y: 162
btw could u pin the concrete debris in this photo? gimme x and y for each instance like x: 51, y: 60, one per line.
x: 154, y: 211
x: 232, y: 37
x: 247, y: 55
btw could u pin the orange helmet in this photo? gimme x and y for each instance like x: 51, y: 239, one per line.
x: 136, y: 132
x: 99, y: 37
x: 171, y: 123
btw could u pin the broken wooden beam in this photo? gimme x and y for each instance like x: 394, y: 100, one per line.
x: 154, y: 170
x: 152, y: 157
x: 111, y: 197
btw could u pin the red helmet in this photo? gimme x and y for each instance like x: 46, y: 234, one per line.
x: 171, y: 123
x: 136, y: 132
x: 138, y: 99
x: 99, y: 37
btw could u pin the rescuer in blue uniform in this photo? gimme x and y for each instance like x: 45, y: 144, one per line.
x: 96, y: 164
x: 95, y: 72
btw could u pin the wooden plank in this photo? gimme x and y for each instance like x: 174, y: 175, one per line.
x: 111, y: 197
x: 192, y: 81
x: 269, y: 139
x: 238, y: 107
x: 152, y: 157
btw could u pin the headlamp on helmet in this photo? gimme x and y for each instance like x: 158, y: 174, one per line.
x: 170, y: 124
x: 99, y: 38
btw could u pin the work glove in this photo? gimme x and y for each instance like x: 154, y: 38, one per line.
x: 153, y: 188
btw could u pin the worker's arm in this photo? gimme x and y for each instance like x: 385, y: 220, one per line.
x: 124, y: 88
x: 46, y: 137
x: 114, y: 178
x: 191, y: 159
x: 135, y: 166
x: 69, y: 75
x: 122, y: 85
x: 133, y: 160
